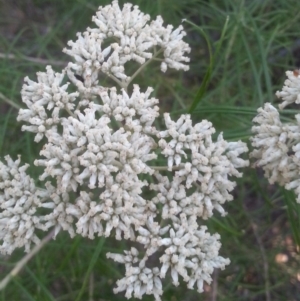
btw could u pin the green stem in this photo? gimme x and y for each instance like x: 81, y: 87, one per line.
x: 10, y: 102
x: 18, y: 267
x: 143, y: 66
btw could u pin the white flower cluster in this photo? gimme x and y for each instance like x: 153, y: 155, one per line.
x: 112, y: 171
x: 19, y: 200
x: 134, y: 38
x: 276, y: 144
x: 207, y: 168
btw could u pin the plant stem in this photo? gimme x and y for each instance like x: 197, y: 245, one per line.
x: 143, y: 66
x: 9, y: 101
x: 14, y: 272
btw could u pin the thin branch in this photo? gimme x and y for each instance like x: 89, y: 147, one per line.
x: 143, y: 66
x: 32, y: 59
x: 69, y: 112
x: 182, y: 104
x: 14, y: 272
x: 9, y: 101
x: 162, y: 168
x: 120, y: 83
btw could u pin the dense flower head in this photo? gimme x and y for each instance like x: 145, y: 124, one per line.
x: 110, y: 170
x: 138, y: 279
x: 44, y: 100
x: 291, y: 90
x: 19, y: 200
x: 277, y: 144
x: 191, y: 253
x: 136, y: 39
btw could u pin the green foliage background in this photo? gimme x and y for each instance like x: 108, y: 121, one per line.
x: 261, y: 233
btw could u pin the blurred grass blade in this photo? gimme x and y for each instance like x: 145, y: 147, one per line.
x: 225, y: 226
x: 76, y: 241
x: 3, y: 128
x: 212, y: 58
x: 254, y: 65
x: 40, y: 284
x: 228, y: 110
x: 293, y: 211
x: 208, y: 73
x: 91, y: 266
x: 24, y: 290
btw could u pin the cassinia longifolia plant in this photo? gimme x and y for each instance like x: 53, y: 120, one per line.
x: 276, y: 144
x: 100, y: 157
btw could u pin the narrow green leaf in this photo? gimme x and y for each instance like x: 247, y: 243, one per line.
x: 293, y: 211
x: 226, y: 227
x: 40, y: 284
x: 24, y: 289
x: 212, y: 58
x: 91, y: 266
